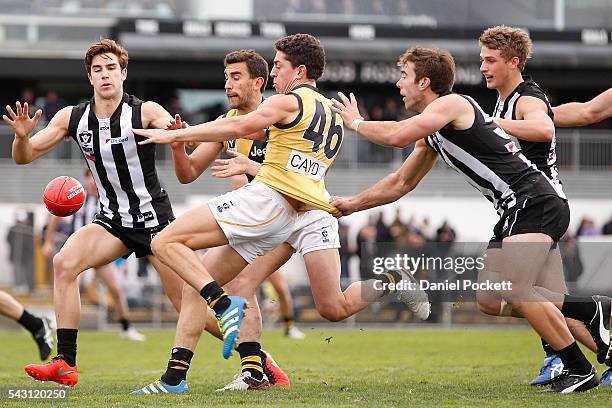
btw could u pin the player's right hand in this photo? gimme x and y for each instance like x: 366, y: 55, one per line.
x: 21, y: 122
x: 343, y: 204
x: 47, y: 249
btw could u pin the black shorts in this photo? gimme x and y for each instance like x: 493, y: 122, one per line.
x: 137, y: 240
x: 548, y: 215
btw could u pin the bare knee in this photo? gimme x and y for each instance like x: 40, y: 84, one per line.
x: 158, y: 246
x: 331, y: 312
x: 488, y: 303
x: 65, y: 267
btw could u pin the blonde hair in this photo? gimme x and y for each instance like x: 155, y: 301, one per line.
x: 510, y: 41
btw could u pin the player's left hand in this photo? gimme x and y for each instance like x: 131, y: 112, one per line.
x: 237, y: 165
x: 347, y: 108
x: 343, y: 204
x: 155, y: 136
x: 176, y: 123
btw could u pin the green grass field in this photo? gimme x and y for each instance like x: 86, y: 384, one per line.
x: 332, y: 367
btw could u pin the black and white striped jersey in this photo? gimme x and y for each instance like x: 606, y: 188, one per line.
x: 542, y: 154
x: 491, y: 162
x: 128, y: 187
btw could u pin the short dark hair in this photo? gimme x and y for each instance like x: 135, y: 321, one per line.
x: 303, y: 49
x: 256, y: 64
x: 106, y: 46
x: 434, y: 63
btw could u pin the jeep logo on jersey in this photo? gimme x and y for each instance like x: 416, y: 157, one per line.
x: 257, y: 151
x: 309, y: 166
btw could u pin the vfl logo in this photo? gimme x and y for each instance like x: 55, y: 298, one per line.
x: 104, y: 127
x: 85, y: 139
x: 325, y: 234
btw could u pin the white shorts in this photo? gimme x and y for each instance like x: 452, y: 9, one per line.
x: 254, y: 218
x: 314, y: 230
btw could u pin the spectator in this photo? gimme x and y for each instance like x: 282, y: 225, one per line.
x: 402, y: 8
x: 345, y: 250
x: 426, y: 229
x: 445, y: 233
x: 382, y: 231
x: 174, y: 106
x: 367, y: 248
x: 570, y: 255
x: 587, y: 228
x: 391, y: 111
x: 52, y: 105
x: 20, y: 238
x: 607, y: 228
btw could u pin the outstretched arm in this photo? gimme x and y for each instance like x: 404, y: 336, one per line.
x: 394, y: 186
x: 26, y: 149
x: 435, y: 116
x: 582, y: 114
x: 278, y: 108
x: 533, y: 123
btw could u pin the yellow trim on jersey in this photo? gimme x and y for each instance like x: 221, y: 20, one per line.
x: 235, y: 224
x: 300, y: 153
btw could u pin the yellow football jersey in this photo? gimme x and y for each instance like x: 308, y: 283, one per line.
x: 253, y: 149
x: 300, y: 153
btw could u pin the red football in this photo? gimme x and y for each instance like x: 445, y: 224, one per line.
x: 64, y: 196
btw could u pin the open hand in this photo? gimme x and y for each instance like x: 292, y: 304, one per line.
x: 237, y: 165
x: 21, y: 122
x: 347, y: 108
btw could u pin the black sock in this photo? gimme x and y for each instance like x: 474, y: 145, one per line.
x: 67, y: 345
x: 581, y: 308
x: 547, y: 349
x: 32, y: 323
x: 216, y: 298
x: 250, y: 359
x: 288, y: 323
x: 389, y: 277
x: 178, y: 365
x: 125, y: 323
x: 574, y: 360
